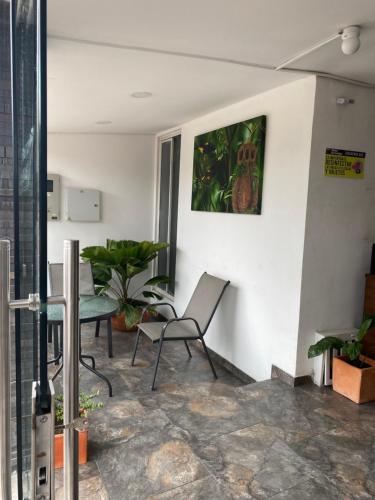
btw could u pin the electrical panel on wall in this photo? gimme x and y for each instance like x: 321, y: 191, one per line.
x: 82, y: 205
x: 53, y: 197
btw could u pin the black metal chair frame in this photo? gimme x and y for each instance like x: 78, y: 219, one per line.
x: 163, y: 339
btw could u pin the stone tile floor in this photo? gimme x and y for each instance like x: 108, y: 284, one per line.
x: 196, y: 438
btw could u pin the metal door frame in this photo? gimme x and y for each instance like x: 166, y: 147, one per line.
x: 43, y: 422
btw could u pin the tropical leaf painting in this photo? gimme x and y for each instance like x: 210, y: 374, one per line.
x: 228, y: 168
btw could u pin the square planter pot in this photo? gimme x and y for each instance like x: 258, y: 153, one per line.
x: 118, y: 322
x: 82, y: 448
x: 357, y: 384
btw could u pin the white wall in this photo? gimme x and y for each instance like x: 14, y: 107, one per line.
x: 121, y: 167
x: 257, y: 323
x: 340, y: 226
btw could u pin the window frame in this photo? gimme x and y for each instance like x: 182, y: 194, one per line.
x: 158, y: 152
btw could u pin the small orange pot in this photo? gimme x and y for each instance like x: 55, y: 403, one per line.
x: 118, y: 322
x: 82, y: 448
x: 357, y: 384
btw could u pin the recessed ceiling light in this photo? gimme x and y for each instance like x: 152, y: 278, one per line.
x: 141, y: 95
x: 103, y: 122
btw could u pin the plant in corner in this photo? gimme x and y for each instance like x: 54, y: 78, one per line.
x: 86, y: 406
x: 353, y: 373
x: 116, y: 265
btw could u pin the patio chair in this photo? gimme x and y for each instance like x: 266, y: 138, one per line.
x: 86, y: 287
x: 191, y: 326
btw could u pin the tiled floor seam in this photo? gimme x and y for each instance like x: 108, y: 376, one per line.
x: 102, y: 481
x: 155, y: 495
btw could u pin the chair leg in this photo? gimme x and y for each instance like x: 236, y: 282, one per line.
x: 97, y: 328
x: 187, y: 348
x: 157, y: 364
x: 109, y: 337
x: 136, y: 346
x: 208, y: 356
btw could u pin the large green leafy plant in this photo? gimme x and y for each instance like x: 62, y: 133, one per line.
x: 115, y: 266
x: 350, y: 349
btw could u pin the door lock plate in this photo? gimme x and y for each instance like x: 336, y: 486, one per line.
x: 43, y: 450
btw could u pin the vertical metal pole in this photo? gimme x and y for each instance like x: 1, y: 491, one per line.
x: 70, y: 377
x: 5, y: 471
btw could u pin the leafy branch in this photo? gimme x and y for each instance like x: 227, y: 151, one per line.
x: 351, y: 349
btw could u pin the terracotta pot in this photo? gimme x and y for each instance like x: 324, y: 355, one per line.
x: 357, y: 384
x: 118, y: 322
x: 82, y: 448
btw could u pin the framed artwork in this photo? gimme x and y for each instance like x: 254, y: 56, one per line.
x: 228, y: 168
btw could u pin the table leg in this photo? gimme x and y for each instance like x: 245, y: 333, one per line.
x: 109, y: 337
x: 97, y: 328
x: 98, y: 374
x: 58, y: 370
x: 91, y: 358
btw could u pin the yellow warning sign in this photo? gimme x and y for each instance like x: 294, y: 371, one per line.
x: 344, y: 163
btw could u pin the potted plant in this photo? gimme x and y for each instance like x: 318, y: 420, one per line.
x: 353, y: 373
x: 115, y: 266
x: 86, y: 406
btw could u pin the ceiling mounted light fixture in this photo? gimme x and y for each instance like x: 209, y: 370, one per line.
x: 350, y: 40
x: 141, y: 95
x: 103, y: 122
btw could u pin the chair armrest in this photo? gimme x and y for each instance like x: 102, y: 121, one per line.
x: 176, y: 320
x: 157, y: 304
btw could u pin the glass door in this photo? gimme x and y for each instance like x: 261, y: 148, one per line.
x: 28, y: 56
x: 24, y: 223
x: 26, y: 395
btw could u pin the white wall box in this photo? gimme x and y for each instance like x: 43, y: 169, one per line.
x: 82, y: 205
x: 53, y: 197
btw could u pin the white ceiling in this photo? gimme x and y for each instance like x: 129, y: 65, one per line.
x: 91, y: 74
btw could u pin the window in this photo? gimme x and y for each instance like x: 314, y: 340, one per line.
x: 169, y: 171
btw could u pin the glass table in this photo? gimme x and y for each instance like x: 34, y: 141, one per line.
x: 92, y: 308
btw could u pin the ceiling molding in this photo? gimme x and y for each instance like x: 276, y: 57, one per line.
x: 212, y: 58
x: 56, y: 132
x: 160, y: 51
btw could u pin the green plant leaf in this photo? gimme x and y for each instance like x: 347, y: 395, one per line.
x: 86, y: 405
x: 132, y: 314
x: 352, y: 350
x: 363, y: 328
x: 132, y: 270
x: 156, y: 280
x: 323, y: 345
